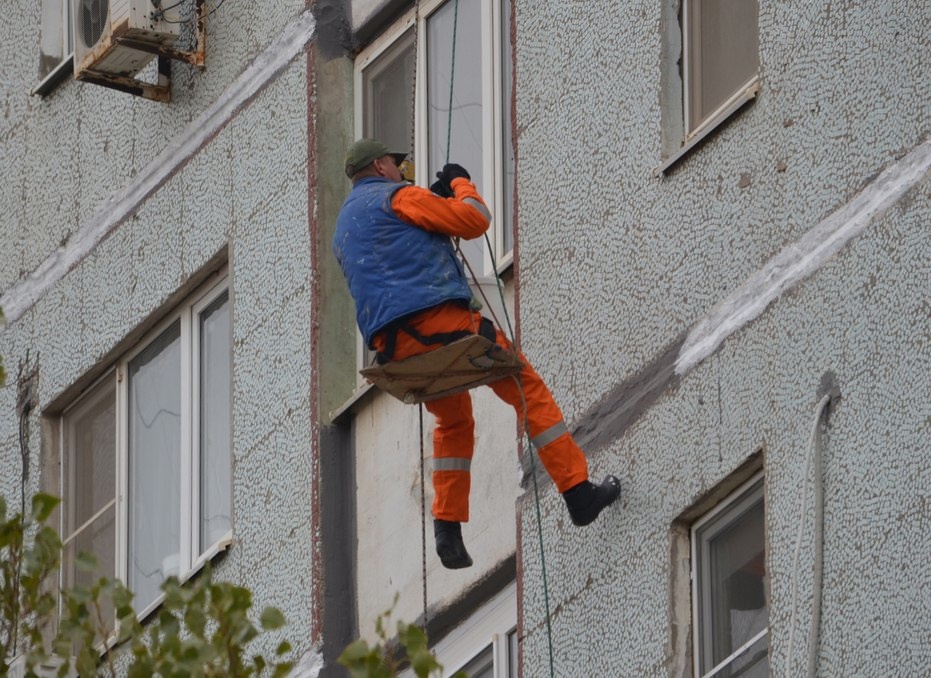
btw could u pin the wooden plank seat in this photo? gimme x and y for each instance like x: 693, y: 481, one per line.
x: 464, y: 364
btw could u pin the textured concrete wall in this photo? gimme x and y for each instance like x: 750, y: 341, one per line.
x: 246, y: 193
x: 627, y: 263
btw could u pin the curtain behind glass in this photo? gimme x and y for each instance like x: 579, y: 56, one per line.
x: 738, y: 600
x: 154, y: 466
x: 215, y: 458
x: 466, y: 145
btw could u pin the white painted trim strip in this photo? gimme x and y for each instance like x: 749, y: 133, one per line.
x: 799, y: 260
x: 120, y: 205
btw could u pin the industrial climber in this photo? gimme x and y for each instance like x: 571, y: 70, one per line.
x: 394, y: 244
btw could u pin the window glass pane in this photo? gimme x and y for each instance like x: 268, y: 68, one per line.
x: 215, y: 459
x: 464, y: 134
x: 505, y: 220
x: 732, y: 577
x: 54, y: 43
x: 724, y: 52
x: 512, y: 654
x: 387, y: 107
x: 482, y: 665
x: 387, y: 112
x: 89, y: 475
x: 154, y: 466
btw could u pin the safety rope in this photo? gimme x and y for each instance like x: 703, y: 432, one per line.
x: 536, y: 501
x: 423, y: 474
x: 526, y: 429
x: 511, y: 336
x: 423, y: 522
x: 452, y: 78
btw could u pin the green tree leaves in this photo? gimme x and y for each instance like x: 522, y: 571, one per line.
x: 201, y: 630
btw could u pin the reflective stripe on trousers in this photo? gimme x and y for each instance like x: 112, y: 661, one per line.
x: 454, y: 436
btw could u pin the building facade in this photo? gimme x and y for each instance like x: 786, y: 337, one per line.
x: 710, y: 235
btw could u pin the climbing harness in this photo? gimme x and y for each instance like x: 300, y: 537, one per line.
x: 459, y: 366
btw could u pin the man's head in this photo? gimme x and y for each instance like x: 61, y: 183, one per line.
x: 371, y: 158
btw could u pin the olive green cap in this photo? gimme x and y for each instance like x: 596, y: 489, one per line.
x: 364, y: 151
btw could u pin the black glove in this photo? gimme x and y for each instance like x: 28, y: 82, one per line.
x: 451, y: 171
x: 441, y: 189
x: 454, y: 171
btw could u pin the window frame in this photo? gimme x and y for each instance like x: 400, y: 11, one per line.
x: 493, y: 51
x: 679, y: 136
x: 495, y: 624
x: 187, y: 313
x: 493, y: 55
x: 80, y: 406
x: 747, y: 493
x: 64, y: 68
x: 724, y: 110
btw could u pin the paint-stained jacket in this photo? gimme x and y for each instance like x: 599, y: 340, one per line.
x: 393, y: 244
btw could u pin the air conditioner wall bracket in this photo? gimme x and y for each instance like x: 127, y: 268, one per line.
x: 158, y: 91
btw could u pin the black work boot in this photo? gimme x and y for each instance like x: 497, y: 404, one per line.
x: 586, y: 500
x: 449, y: 546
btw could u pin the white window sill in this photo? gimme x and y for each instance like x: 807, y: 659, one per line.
x: 46, y: 669
x: 714, y: 121
x: 59, y: 73
x: 361, y: 392
x: 208, y: 555
x: 506, y: 263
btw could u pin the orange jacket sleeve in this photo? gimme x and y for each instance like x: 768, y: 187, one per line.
x: 464, y: 216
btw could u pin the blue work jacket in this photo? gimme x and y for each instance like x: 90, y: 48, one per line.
x: 393, y: 268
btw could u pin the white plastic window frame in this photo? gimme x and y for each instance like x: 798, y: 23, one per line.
x: 495, y: 624
x: 47, y: 82
x: 191, y: 560
x: 691, y: 137
x: 745, y: 491
x: 88, y: 399
x: 493, y: 51
x: 741, y: 95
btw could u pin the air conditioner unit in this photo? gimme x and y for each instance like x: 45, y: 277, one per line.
x: 115, y: 39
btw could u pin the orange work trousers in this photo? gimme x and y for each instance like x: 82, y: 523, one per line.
x: 454, y: 438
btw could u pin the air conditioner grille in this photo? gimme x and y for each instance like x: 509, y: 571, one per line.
x: 92, y: 19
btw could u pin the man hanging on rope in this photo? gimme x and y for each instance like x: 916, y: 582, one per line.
x: 394, y: 244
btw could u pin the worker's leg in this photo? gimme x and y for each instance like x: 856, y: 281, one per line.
x: 453, y: 443
x: 561, y: 457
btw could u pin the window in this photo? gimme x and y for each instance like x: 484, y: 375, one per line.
x: 729, y: 587
x: 55, y: 47
x: 485, y: 644
x: 718, y: 72
x: 478, y: 131
x: 722, y: 61
x: 146, y: 461
x: 477, y: 135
